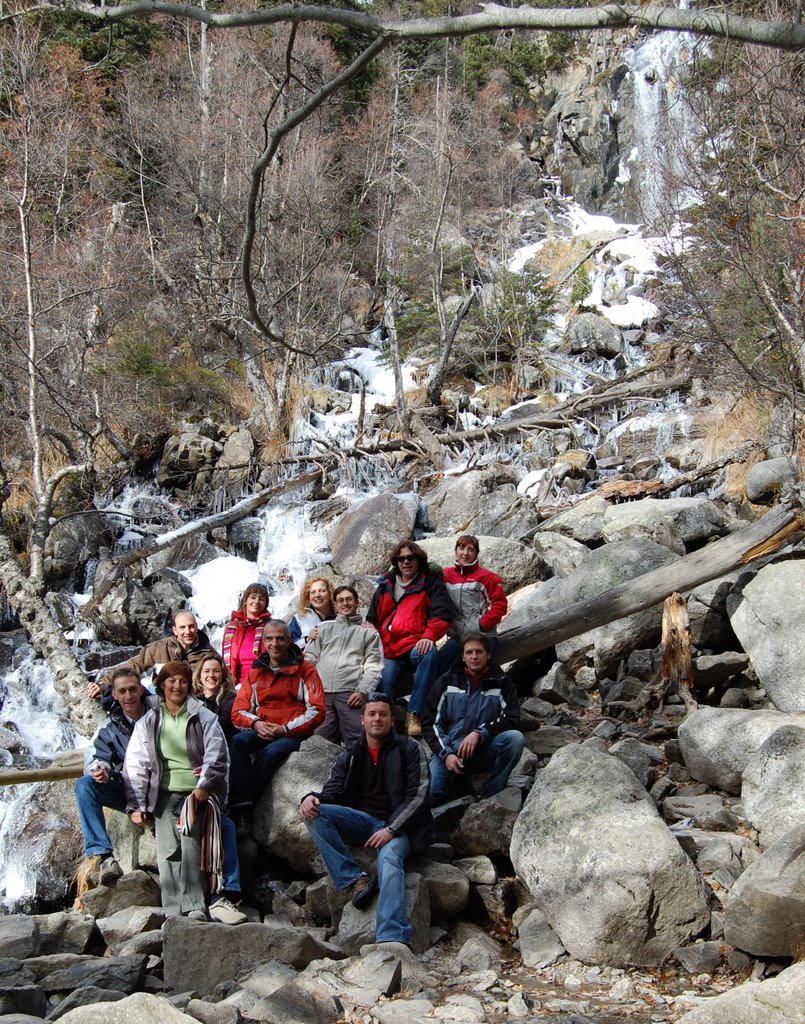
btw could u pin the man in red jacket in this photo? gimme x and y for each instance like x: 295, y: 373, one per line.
x: 280, y: 703
x: 411, y: 611
x: 479, y: 602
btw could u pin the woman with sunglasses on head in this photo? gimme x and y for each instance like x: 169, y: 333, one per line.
x: 243, y: 634
x: 316, y: 605
x: 411, y: 610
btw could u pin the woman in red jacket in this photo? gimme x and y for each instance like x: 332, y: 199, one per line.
x: 243, y: 635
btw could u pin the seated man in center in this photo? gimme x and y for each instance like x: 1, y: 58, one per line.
x: 470, y: 722
x: 411, y: 611
x: 280, y: 704
x: 375, y: 796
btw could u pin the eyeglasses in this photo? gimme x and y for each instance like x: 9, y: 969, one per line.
x: 407, y: 558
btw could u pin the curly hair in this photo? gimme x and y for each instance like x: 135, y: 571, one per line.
x: 304, y: 597
x: 419, y: 553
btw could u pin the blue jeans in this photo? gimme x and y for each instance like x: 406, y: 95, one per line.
x: 230, y: 882
x: 337, y: 826
x: 426, y: 671
x: 500, y: 756
x: 451, y: 649
x: 91, y: 798
x: 248, y: 779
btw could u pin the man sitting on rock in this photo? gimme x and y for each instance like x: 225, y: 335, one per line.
x: 188, y: 643
x: 470, y: 722
x: 280, y: 703
x: 375, y: 796
x: 101, y: 785
x: 349, y: 659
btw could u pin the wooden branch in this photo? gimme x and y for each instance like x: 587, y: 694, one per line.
x: 776, y: 529
x: 187, y: 530
x: 50, y: 773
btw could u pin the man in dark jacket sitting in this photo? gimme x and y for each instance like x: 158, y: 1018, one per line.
x: 101, y: 785
x: 376, y: 796
x: 470, y: 722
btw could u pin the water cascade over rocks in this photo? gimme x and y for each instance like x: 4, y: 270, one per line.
x: 635, y: 831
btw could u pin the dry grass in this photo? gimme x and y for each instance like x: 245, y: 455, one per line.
x: 85, y: 877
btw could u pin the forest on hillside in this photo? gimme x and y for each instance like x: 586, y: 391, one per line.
x: 197, y: 221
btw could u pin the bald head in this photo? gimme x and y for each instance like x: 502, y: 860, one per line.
x: 185, y: 629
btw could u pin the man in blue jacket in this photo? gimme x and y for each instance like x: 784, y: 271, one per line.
x: 375, y: 796
x: 101, y: 785
x: 470, y: 722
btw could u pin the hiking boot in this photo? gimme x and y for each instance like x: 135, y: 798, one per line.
x: 225, y: 912
x: 363, y: 889
x: 242, y: 818
x: 196, y: 915
x: 413, y: 725
x: 109, y: 870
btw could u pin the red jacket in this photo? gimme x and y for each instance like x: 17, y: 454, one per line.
x: 479, y: 602
x: 425, y: 612
x: 291, y: 695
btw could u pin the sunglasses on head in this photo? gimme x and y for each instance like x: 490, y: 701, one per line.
x: 378, y: 695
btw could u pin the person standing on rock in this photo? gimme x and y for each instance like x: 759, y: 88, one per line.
x: 376, y: 796
x: 411, y: 610
x: 101, y: 785
x: 187, y: 643
x: 479, y: 602
x: 470, y: 722
x: 349, y: 659
x: 279, y: 704
x: 243, y: 634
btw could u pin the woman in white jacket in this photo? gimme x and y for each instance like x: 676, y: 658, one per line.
x: 176, y: 762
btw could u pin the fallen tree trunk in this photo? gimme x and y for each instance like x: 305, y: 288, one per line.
x: 167, y: 540
x: 776, y: 529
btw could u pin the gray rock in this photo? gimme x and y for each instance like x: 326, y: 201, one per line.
x: 765, y: 911
x: 770, y: 629
x: 256, y: 944
x: 558, y: 555
x: 278, y: 826
x: 773, y: 790
x: 483, y: 501
x: 515, y: 563
x: 357, y: 927
x: 63, y: 931
x: 486, y: 827
x: 148, y: 943
x: 267, y: 978
x: 448, y: 888
x: 135, y: 889
x: 19, y: 936
x: 141, y: 1008
x: 73, y: 541
x: 232, y: 467
x: 674, y: 522
x: 765, y: 480
x: 700, y: 958
x: 87, y: 995
x: 718, y: 743
x: 42, y: 966
x: 637, y: 756
x: 124, y: 974
x: 479, y: 953
x: 213, y: 1013
x: 711, y: 669
x: 187, y: 461
x: 555, y: 686
x: 776, y: 1001
x: 594, y: 853
x: 498, y: 900
x: 26, y: 1000
x: 711, y: 851
x: 126, y: 923
x: 540, y: 946
x: 361, y: 541
x: 707, y: 811
x: 548, y: 739
x: 590, y: 334
x: 479, y: 869
x: 405, y: 1011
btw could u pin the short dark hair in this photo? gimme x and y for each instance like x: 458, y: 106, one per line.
x: 475, y: 637
x: 419, y: 553
x: 123, y: 672
x: 378, y: 697
x: 467, y: 538
x: 347, y: 587
x: 173, y: 668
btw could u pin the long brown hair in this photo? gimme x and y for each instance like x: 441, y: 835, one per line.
x: 253, y: 588
x: 227, y: 679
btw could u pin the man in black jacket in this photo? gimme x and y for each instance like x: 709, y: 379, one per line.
x: 101, y: 785
x: 375, y: 796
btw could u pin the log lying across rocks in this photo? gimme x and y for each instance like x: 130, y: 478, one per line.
x: 777, y: 528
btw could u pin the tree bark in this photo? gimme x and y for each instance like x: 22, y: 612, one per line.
x: 779, y: 527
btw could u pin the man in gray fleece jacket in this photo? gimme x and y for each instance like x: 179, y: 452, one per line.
x: 349, y: 658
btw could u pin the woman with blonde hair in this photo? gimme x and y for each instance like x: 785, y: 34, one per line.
x: 214, y: 687
x: 316, y: 604
x: 243, y: 634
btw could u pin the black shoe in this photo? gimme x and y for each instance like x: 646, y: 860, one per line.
x: 242, y: 818
x: 363, y: 889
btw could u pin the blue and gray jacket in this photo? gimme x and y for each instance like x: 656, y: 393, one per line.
x: 453, y: 709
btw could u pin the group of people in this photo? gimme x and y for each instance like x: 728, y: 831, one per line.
x: 197, y: 753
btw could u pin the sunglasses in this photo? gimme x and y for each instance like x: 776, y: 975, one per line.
x: 407, y: 558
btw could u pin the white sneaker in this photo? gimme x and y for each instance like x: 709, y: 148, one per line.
x: 225, y: 912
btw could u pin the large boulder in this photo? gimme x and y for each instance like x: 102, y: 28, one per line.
x: 73, y: 542
x: 188, y: 460
x: 602, y: 569
x: 140, y: 1008
x: 605, y: 870
x: 592, y: 335
x: 766, y: 611
x: 516, y: 564
x: 558, y: 555
x: 776, y: 1001
x: 278, y: 826
x: 482, y: 501
x: 773, y: 790
x: 232, y: 468
x: 765, y: 911
x: 357, y: 927
x: 765, y: 480
x: 718, y: 743
x: 361, y: 541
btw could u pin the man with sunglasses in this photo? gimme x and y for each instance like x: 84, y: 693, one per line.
x: 375, y: 796
x: 411, y: 610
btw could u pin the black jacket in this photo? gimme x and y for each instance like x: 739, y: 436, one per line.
x: 107, y: 747
x: 405, y: 769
